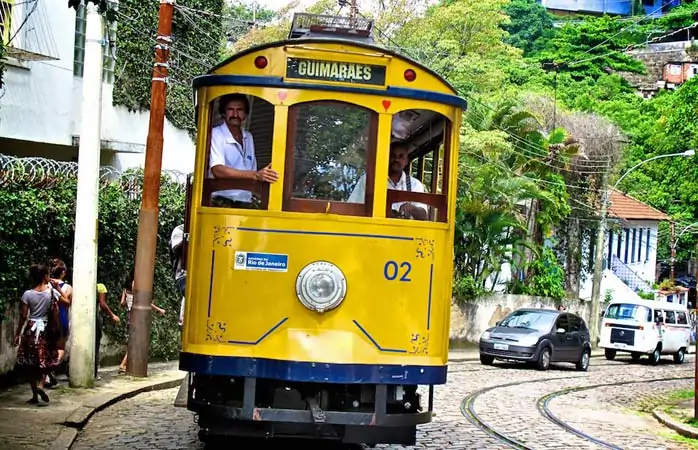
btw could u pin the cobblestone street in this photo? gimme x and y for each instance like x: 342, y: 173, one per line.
x: 468, y: 415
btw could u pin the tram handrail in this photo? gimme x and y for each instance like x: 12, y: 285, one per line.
x: 212, y: 185
x: 437, y: 201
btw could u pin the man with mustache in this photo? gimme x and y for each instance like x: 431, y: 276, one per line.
x: 232, y: 154
x: 399, y: 180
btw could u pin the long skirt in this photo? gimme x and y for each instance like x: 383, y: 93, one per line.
x: 38, y: 354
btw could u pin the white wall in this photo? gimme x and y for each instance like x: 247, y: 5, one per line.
x: 42, y: 103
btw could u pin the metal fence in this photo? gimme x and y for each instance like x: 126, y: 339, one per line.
x: 47, y: 173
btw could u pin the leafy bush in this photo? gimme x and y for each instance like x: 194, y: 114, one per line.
x: 38, y: 222
x: 466, y: 288
x: 548, y: 277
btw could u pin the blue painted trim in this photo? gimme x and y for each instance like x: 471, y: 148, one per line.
x: 318, y: 372
x: 262, y: 337
x: 265, y: 81
x: 431, y: 279
x: 327, y: 233
x: 210, y: 282
x: 370, y: 338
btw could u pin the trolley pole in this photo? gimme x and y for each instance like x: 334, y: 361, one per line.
x: 84, y: 308
x: 139, y: 333
x: 598, y: 265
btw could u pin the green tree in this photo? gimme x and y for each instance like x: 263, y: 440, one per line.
x: 197, y: 44
x: 529, y: 21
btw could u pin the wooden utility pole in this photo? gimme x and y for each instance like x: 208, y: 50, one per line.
x: 139, y: 333
x: 673, y: 252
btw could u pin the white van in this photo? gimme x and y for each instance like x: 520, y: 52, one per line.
x: 646, y: 327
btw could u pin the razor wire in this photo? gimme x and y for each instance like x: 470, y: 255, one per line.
x: 41, y: 172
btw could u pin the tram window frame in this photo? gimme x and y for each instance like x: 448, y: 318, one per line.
x: 211, y: 184
x: 434, y: 200
x: 304, y: 205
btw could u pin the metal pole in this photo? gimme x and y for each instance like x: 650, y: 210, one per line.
x: 139, y: 338
x: 598, y: 264
x: 673, y: 251
x: 84, y: 306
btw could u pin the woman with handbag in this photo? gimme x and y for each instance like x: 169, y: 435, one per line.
x: 38, y: 331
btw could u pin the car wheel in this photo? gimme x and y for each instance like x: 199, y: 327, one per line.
x: 583, y: 363
x: 544, y: 359
x: 610, y: 354
x: 679, y: 356
x: 655, y: 356
x: 635, y: 356
x: 487, y: 360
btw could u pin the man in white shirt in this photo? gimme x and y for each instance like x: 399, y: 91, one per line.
x: 398, y: 180
x: 232, y: 153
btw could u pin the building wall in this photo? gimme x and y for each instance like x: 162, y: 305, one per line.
x: 40, y: 110
x: 630, y: 243
x: 611, y: 7
x: 472, y: 318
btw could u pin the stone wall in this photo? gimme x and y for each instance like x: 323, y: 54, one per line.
x: 654, y: 57
x: 470, y: 320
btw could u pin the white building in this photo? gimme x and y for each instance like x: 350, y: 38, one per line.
x: 630, y: 249
x: 41, y: 97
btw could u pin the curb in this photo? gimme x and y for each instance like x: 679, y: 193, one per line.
x: 681, y: 428
x: 81, y: 415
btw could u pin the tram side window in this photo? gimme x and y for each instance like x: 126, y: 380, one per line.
x: 330, y: 148
x: 419, y: 163
x: 240, y: 138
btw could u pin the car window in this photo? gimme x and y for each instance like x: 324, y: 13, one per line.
x: 563, y: 322
x: 574, y: 323
x: 657, y: 315
x: 669, y: 317
x: 582, y: 325
x: 533, y: 320
x: 628, y: 311
x: 681, y: 318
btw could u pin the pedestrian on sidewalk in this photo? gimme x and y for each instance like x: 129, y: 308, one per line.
x: 127, y: 301
x: 38, y: 331
x: 58, y: 271
x: 178, y: 264
x: 101, y: 307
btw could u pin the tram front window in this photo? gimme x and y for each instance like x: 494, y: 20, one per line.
x: 330, y: 147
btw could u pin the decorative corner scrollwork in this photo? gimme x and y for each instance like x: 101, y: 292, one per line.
x: 419, y: 344
x: 223, y: 236
x: 215, y: 331
x: 425, y: 248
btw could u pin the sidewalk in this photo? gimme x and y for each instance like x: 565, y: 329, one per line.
x: 54, y: 426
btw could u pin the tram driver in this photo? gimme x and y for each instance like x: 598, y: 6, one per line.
x: 232, y: 153
x: 398, y: 180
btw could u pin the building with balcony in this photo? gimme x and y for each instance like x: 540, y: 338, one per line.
x: 40, y: 101
x: 630, y: 249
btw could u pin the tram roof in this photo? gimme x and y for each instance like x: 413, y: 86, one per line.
x: 315, y: 40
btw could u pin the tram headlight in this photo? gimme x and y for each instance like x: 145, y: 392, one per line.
x: 321, y: 286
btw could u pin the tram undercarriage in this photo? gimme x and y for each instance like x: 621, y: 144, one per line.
x: 347, y: 413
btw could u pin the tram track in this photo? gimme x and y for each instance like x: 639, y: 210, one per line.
x: 467, y: 408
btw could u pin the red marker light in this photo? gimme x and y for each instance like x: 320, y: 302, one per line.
x: 260, y: 62
x: 410, y: 75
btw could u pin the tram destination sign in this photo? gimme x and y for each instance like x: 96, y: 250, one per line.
x: 341, y: 72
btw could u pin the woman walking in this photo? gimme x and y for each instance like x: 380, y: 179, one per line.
x: 58, y: 272
x: 127, y: 301
x: 38, y: 331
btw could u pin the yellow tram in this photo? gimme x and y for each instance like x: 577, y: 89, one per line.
x: 317, y: 304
